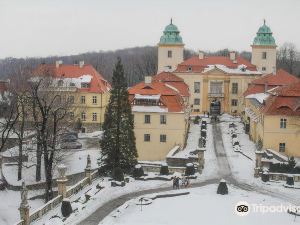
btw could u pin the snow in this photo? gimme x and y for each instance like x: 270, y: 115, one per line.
x: 140, y: 108
x: 241, y: 69
x: 260, y: 97
x: 249, y: 112
x: 150, y: 97
x: 97, y: 199
x: 138, y: 166
x: 95, y: 134
x: 201, y: 206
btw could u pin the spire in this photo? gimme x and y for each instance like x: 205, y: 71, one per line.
x: 171, y: 20
x: 264, y: 21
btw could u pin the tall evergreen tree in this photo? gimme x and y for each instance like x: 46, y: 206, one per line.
x: 118, y: 142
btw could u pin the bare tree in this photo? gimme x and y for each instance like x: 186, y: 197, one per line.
x: 287, y: 57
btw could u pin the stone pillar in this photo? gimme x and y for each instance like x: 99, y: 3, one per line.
x: 24, y: 206
x: 88, y: 169
x: 258, y: 163
x: 62, y: 180
x: 201, y: 159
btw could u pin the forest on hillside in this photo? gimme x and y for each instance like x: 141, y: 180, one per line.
x: 138, y: 62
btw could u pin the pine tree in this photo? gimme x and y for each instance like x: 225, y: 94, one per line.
x: 118, y: 141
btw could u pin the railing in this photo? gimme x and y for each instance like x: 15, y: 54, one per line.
x: 215, y: 95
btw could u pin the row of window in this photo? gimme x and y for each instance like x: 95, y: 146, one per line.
x: 216, y: 87
x: 71, y: 100
x: 234, y: 102
x: 162, y: 138
x: 84, y: 117
x: 163, y: 119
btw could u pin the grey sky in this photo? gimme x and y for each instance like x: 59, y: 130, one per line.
x: 58, y: 27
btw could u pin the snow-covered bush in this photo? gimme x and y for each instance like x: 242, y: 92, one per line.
x: 290, y: 180
x: 164, y: 169
x: 265, y: 177
x: 222, y: 188
x: 138, y: 171
x: 66, y: 208
x: 118, y: 174
x: 197, y: 120
x: 189, y: 169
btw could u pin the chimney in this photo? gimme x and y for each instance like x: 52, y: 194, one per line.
x: 266, y: 87
x: 274, y: 70
x: 81, y: 64
x: 201, y: 55
x: 232, y: 56
x: 148, y: 79
x: 58, y: 63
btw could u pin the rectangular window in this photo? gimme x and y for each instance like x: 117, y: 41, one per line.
x: 71, y: 99
x: 281, y: 147
x: 82, y: 99
x: 264, y: 55
x: 94, y: 99
x: 163, y: 138
x: 163, y: 119
x: 169, y: 54
x: 283, y: 123
x: 94, y: 116
x: 146, y: 137
x: 234, y: 88
x: 197, y: 101
x: 196, y: 110
x: 216, y: 87
x: 85, y: 85
x: 83, y: 116
x: 71, y: 115
x: 263, y: 68
x: 234, y: 102
x: 196, y: 87
x: 147, y: 119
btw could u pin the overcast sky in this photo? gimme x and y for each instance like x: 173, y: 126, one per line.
x: 60, y: 27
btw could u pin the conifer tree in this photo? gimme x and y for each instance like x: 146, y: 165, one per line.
x: 118, y: 141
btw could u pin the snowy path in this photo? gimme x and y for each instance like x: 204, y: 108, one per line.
x: 224, y: 162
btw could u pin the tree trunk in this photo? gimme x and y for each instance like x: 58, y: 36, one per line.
x: 20, y: 161
x: 38, y: 161
x: 48, y: 173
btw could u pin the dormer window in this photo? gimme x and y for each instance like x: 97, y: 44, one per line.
x: 60, y: 83
x: 72, y: 84
x: 190, y: 68
x: 85, y: 85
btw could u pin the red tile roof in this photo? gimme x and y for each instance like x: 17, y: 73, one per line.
x: 198, y: 65
x: 280, y: 78
x: 97, y: 85
x: 169, y: 96
x: 174, y: 81
x: 284, y: 101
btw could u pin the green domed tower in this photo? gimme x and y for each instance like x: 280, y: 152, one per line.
x: 170, y: 49
x: 264, y: 50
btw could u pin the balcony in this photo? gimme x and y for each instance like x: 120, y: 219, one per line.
x: 215, y: 95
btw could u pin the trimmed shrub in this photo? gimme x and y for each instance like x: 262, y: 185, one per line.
x: 66, y: 208
x: 118, y: 174
x: 138, y: 171
x: 164, y: 169
x: 222, y: 188
x: 189, y: 169
x: 290, y: 180
x: 197, y: 120
x: 265, y: 177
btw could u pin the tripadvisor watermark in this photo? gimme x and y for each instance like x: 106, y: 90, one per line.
x: 243, y: 208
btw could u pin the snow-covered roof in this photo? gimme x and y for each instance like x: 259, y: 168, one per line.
x: 260, y: 97
x: 241, y: 69
x: 141, y: 108
x: 149, y: 97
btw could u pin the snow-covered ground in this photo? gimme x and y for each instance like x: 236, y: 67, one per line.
x: 201, y: 206
x: 97, y: 200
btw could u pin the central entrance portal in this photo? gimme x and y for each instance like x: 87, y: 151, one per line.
x: 215, y: 107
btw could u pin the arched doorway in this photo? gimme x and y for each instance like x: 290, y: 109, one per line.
x: 215, y: 107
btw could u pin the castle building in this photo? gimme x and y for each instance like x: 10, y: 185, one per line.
x: 216, y: 83
x: 160, y: 116
x: 85, y: 90
x: 272, y: 112
x: 264, y: 50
